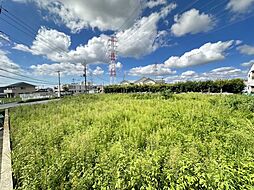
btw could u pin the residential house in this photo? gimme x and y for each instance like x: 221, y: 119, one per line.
x: 250, y: 84
x: 160, y: 81
x: 14, y: 90
x: 125, y: 82
x: 145, y: 81
x: 2, y: 94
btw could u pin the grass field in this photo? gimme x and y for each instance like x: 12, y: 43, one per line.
x: 189, y: 141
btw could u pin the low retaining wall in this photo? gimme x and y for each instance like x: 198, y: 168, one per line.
x: 6, y: 182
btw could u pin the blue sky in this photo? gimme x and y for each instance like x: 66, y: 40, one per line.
x: 175, y: 40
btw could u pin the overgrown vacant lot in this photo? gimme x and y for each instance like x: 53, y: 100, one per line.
x: 121, y: 142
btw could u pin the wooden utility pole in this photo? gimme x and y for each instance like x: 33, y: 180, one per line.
x: 85, y: 75
x: 59, y: 84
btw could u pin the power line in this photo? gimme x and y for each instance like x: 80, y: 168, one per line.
x: 132, y: 15
x: 17, y: 74
x: 29, y: 28
x: 30, y: 32
x: 187, y: 7
x: 19, y: 79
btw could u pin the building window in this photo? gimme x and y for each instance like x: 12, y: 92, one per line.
x: 23, y: 88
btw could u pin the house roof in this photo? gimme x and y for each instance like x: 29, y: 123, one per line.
x: 143, y: 79
x: 125, y: 81
x: 252, y: 68
x: 21, y: 84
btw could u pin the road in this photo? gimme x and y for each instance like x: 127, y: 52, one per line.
x: 12, y: 105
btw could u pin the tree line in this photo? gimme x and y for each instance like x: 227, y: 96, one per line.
x: 219, y: 86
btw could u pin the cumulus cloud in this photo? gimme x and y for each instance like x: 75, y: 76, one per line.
x: 154, y: 3
x: 119, y: 65
x: 58, y: 51
x: 7, y: 64
x: 81, y: 14
x: 215, y: 74
x: 248, y: 64
x: 207, y: 53
x: 66, y: 69
x: 246, y: 49
x: 192, y: 22
x: 139, y: 40
x: 151, y: 70
x: 240, y: 6
x: 188, y: 74
x: 44, y: 45
x: 98, y: 71
x: 143, y: 38
x: 4, y: 39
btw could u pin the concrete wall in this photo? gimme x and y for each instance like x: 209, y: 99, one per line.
x: 6, y: 182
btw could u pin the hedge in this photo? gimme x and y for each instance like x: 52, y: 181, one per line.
x: 231, y: 86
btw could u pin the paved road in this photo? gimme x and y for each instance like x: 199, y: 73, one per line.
x: 12, y: 105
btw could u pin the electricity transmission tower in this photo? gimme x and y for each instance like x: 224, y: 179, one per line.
x: 113, y: 57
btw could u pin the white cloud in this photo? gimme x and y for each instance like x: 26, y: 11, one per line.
x: 143, y: 38
x: 215, y: 74
x: 248, y: 64
x: 81, y: 14
x: 240, y: 6
x: 188, y: 74
x: 98, y: 71
x: 154, y: 3
x: 58, y: 50
x: 207, y: 53
x: 119, y: 65
x: 4, y: 39
x: 246, y: 49
x: 225, y: 73
x: 51, y: 69
x: 66, y: 69
x: 151, y: 70
x: 48, y: 42
x: 7, y: 64
x: 192, y: 22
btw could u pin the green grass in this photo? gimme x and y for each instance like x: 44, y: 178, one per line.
x: 189, y: 141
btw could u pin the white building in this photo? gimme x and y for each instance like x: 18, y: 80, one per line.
x: 250, y: 85
x: 79, y: 88
x: 125, y: 82
x: 145, y: 81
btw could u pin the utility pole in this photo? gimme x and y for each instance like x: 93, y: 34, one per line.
x: 85, y: 75
x: 59, y: 84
